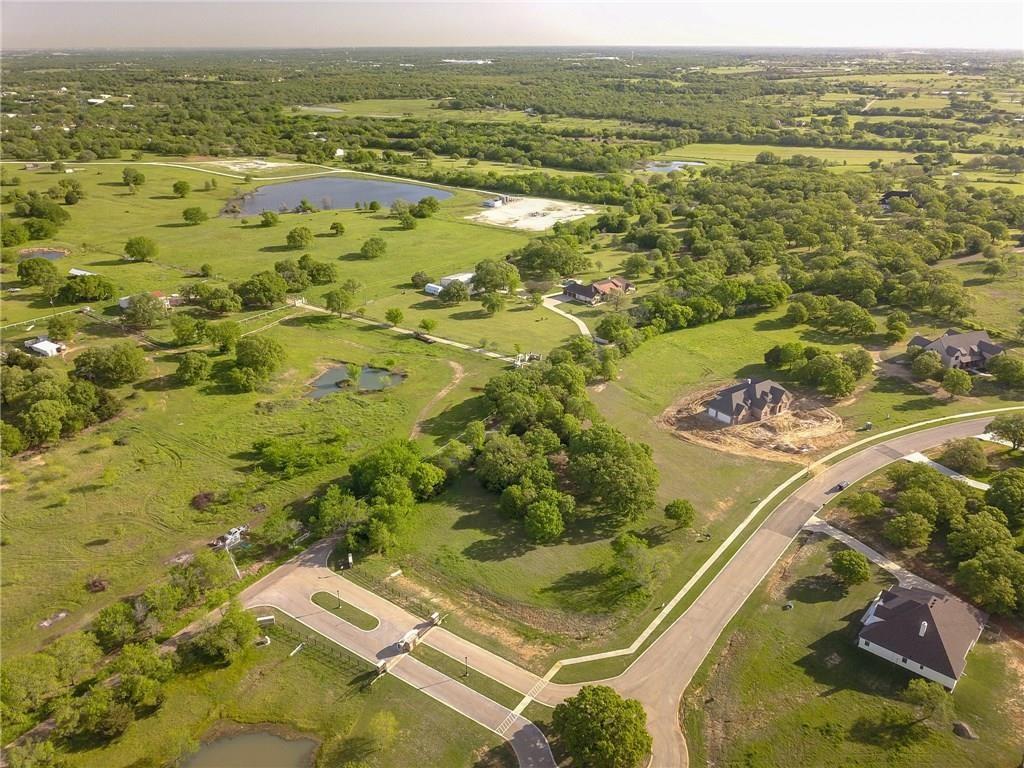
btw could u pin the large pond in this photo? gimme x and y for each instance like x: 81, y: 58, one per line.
x: 370, y: 380
x: 254, y: 750
x: 667, y: 166
x: 334, y: 192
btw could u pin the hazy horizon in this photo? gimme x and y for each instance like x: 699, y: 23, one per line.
x: 246, y: 24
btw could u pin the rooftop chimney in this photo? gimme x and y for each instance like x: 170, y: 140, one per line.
x: 924, y: 628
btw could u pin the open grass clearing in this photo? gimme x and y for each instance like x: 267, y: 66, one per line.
x: 854, y: 159
x: 345, y: 611
x: 123, y: 511
x: 816, y: 699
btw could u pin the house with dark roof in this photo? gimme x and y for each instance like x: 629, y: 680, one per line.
x: 970, y: 351
x: 927, y: 633
x: 749, y: 401
x: 597, y: 291
x: 902, y: 194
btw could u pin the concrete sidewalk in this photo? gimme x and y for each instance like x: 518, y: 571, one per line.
x: 920, y: 458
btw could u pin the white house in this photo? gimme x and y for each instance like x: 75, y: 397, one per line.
x: 927, y: 633
x: 44, y: 347
x: 75, y: 272
x: 466, y: 278
x: 339, y: 153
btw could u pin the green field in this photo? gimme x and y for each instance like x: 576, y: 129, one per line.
x: 815, y: 699
x: 122, y: 511
x: 849, y: 159
x: 321, y: 692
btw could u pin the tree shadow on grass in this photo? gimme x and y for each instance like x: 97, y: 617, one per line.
x: 820, y: 588
x: 354, y: 749
x: 593, y: 590
x: 451, y: 421
x: 773, y: 324
x: 891, y: 729
x: 175, y: 225
x: 278, y: 249
x: 353, y: 256
x: 500, y: 756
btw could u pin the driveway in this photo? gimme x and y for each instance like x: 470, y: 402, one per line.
x: 551, y: 302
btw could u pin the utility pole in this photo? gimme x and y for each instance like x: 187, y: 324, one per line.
x: 466, y: 673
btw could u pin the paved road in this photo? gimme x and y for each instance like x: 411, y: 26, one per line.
x: 657, y: 678
x: 290, y: 589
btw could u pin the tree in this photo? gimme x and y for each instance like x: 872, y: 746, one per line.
x: 600, y: 729
x: 864, y: 504
x: 144, y: 311
x: 337, y: 228
x: 966, y: 456
x: 115, y: 625
x: 918, y: 501
x: 928, y: 698
x: 1008, y: 371
x: 850, y: 567
x: 927, y: 365
x: 1006, y: 493
x: 909, y: 530
x: 339, y: 301
x: 299, y: 237
x: 420, y: 279
x: 194, y: 215
x: 682, y: 512
x: 12, y: 440
x: 394, y: 315
x: 1009, y: 427
x: 264, y: 289
x: 428, y: 324
x: 957, y: 382
x: 62, y: 327
x: 35, y: 754
x: 616, y: 471
x: 43, y: 421
x: 193, y: 368
x: 501, y: 462
x: 26, y: 682
x: 112, y: 366
x: 269, y: 219
x: 544, y: 522
x: 132, y: 177
x: 187, y: 329
x: 406, y: 220
x: 181, y: 188
x: 141, y: 249
x: 37, y: 271
x: 455, y: 292
x: 224, y: 335
x: 373, y: 248
x: 492, y: 302
x: 76, y: 654
x: 840, y: 381
x: 259, y: 353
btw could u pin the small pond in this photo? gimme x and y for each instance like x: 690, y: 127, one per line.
x: 667, y: 166
x: 50, y: 254
x: 331, y: 192
x: 370, y: 380
x: 254, y: 750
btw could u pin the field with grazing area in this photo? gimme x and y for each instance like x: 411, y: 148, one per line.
x: 321, y: 692
x: 846, y: 159
x: 816, y: 699
x: 115, y: 501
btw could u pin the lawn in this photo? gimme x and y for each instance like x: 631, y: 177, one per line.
x: 322, y: 692
x: 999, y: 301
x: 815, y: 699
x: 115, y: 500
x: 848, y: 159
x: 346, y: 611
x: 236, y: 248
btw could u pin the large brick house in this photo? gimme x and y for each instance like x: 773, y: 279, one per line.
x: 749, y: 401
x: 970, y: 351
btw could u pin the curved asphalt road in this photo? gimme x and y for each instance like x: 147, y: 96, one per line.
x: 657, y: 678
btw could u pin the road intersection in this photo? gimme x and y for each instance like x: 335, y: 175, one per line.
x: 659, y: 675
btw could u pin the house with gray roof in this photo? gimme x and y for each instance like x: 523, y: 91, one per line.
x: 749, y: 401
x: 927, y: 633
x: 970, y: 351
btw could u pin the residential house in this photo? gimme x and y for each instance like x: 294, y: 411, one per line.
x: 749, y: 401
x: 598, y: 291
x: 970, y: 351
x: 927, y: 633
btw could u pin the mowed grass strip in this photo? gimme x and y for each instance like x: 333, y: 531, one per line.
x: 346, y: 611
x: 478, y: 681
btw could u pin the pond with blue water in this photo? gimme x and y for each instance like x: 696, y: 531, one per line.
x: 328, y: 193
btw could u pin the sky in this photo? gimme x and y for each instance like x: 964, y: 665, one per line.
x: 900, y: 24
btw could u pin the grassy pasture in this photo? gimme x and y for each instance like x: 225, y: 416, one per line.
x: 855, y: 159
x: 817, y: 700
x: 122, y: 511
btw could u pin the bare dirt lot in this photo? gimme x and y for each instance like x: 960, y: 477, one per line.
x: 800, y: 435
x: 533, y: 214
